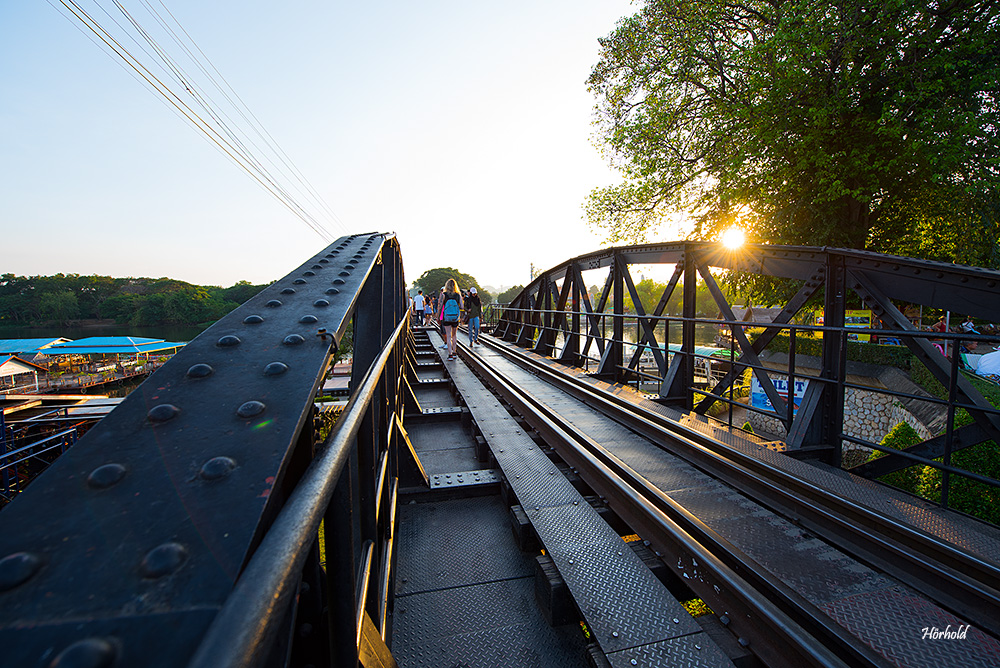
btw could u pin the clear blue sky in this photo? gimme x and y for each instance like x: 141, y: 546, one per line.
x: 465, y: 127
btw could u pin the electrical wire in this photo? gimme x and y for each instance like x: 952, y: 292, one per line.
x: 213, y: 122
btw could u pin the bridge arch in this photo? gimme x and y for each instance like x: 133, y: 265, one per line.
x: 554, y: 316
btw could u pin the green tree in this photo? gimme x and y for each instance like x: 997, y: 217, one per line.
x: 432, y: 280
x: 61, y: 305
x: 122, y: 308
x: 843, y: 123
x: 241, y: 291
x: 649, y: 292
x: 508, y: 295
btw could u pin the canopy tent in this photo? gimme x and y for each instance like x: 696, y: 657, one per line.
x: 28, y: 346
x: 11, y: 366
x: 110, y: 345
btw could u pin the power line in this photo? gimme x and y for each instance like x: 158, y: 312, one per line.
x: 230, y: 137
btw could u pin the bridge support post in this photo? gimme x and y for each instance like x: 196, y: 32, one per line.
x: 679, y: 378
x: 546, y: 334
x: 613, y: 357
x: 341, y: 549
x: 570, y: 353
x: 830, y: 422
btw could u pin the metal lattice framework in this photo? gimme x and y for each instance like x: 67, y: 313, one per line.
x: 183, y: 528
x: 555, y: 316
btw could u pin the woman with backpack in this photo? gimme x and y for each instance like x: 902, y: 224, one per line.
x: 451, y: 310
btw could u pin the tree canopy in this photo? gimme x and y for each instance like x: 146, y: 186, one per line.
x: 28, y: 300
x: 844, y: 123
x: 432, y: 280
x: 507, y: 296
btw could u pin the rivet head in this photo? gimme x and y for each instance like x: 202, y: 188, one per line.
x: 275, y: 369
x: 338, y: 281
x: 343, y: 273
x: 163, y: 560
x: 105, y: 476
x: 309, y: 273
x: 321, y: 303
x: 274, y: 303
x: 308, y: 319
x: 614, y: 633
x: 317, y: 266
x: 162, y: 413
x: 200, y: 371
x: 299, y: 281
x: 352, y: 262
x: 249, y: 409
x: 228, y: 341
x: 87, y: 653
x: 324, y: 261
x: 332, y: 291
x: 253, y: 320
x: 216, y: 468
x: 18, y: 568
x: 293, y: 340
x: 634, y: 662
x: 288, y: 291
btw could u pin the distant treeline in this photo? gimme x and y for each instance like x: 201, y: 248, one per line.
x: 37, y: 300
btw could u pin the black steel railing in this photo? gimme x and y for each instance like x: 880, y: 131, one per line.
x: 660, y: 354
x: 245, y: 630
x: 184, y: 528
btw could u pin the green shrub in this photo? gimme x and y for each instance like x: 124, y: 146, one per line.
x: 900, y: 437
x: 969, y: 496
x: 868, y: 353
x: 974, y: 498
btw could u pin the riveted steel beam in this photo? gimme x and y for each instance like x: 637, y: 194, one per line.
x: 143, y: 528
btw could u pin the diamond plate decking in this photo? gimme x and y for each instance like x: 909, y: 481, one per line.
x: 885, y: 614
x: 623, y: 604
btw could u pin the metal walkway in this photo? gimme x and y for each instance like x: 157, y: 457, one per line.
x: 887, y: 616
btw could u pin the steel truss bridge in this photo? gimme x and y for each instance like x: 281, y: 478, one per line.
x: 548, y: 499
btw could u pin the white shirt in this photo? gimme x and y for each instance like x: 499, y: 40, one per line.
x: 418, y: 302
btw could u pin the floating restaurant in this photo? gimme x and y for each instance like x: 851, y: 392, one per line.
x: 48, y: 365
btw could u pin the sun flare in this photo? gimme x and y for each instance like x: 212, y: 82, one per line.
x: 733, y: 238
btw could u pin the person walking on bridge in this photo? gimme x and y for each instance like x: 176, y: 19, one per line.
x: 473, y: 312
x: 429, y: 310
x: 451, y: 308
x: 418, y: 307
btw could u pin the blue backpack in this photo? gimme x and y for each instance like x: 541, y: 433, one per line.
x: 451, y: 308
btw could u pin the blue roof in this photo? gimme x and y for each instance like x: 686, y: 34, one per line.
x: 15, y: 346
x: 110, y: 345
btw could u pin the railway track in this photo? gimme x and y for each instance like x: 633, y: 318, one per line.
x: 878, y: 565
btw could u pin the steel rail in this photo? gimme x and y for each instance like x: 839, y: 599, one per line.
x: 781, y: 635
x: 242, y: 632
x: 958, y: 580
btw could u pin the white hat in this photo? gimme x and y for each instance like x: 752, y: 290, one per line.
x: 472, y: 290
